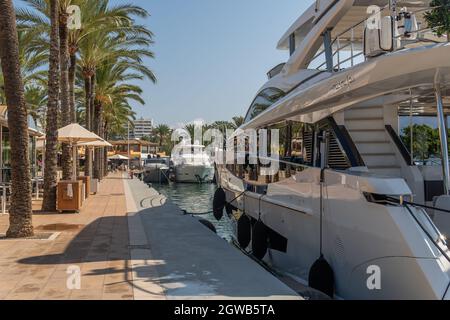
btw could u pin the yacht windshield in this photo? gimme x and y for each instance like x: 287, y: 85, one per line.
x: 263, y: 101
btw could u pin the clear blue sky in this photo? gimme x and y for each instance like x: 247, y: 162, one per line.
x: 212, y: 55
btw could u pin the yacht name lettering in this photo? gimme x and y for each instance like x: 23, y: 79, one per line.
x: 344, y: 83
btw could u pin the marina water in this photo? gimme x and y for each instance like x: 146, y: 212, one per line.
x: 196, y: 199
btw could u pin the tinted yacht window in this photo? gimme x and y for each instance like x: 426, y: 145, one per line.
x: 263, y: 101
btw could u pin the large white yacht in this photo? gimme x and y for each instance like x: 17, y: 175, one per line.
x: 350, y: 211
x: 192, y: 164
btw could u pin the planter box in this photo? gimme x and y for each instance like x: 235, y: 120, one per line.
x: 67, y: 201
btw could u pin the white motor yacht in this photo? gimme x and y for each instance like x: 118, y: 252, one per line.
x: 350, y: 212
x: 193, y: 165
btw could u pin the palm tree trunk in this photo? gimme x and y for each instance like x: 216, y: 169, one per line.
x: 96, y: 130
x: 73, y: 111
x: 106, y: 137
x: 105, y: 162
x: 65, y: 97
x: 102, y: 150
x: 92, y: 102
x: 51, y: 151
x: 72, y: 70
x: 20, y: 213
x: 87, y: 91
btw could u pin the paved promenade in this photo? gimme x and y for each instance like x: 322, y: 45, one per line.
x: 128, y: 243
x: 188, y: 261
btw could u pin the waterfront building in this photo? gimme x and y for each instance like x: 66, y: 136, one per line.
x: 141, y: 128
x: 5, y: 146
x: 138, y: 150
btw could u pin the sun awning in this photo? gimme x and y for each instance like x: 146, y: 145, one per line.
x: 118, y: 157
x: 76, y: 134
x: 100, y: 143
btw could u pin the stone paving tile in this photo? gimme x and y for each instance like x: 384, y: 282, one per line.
x: 86, y: 295
x: 96, y: 240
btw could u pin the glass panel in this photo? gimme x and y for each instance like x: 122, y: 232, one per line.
x: 263, y: 101
x: 425, y: 137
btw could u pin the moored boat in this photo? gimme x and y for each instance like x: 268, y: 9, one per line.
x: 193, y: 165
x: 349, y: 211
x: 157, y: 170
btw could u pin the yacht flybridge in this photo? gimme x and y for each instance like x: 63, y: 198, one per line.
x: 350, y: 211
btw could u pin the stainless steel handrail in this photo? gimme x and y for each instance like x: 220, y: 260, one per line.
x: 350, y: 41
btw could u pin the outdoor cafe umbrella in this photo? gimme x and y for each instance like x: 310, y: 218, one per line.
x: 74, y: 134
x: 118, y: 157
x: 99, y: 143
x: 93, y: 144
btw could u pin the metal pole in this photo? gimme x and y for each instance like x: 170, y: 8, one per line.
x: 352, y: 48
x: 328, y: 50
x: 393, y: 9
x: 292, y: 44
x: 128, y: 141
x: 411, y: 127
x: 443, y: 139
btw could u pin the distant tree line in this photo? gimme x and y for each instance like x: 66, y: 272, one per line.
x: 162, y: 134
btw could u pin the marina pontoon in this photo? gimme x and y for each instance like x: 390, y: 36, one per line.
x: 349, y: 189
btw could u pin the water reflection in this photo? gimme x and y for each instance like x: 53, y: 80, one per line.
x: 197, y: 199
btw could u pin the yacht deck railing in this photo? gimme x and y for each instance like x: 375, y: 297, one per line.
x: 348, y: 46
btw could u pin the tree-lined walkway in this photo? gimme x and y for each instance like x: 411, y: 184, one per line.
x: 95, y: 240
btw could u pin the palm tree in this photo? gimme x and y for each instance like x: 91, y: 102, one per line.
x: 98, y: 21
x: 238, y: 122
x: 99, y: 48
x: 66, y: 159
x: 2, y: 89
x: 112, y: 79
x: 36, y: 100
x: 30, y: 61
x: 97, y: 15
x: 20, y: 213
x: 116, y: 116
x: 162, y: 131
x: 39, y: 26
x: 50, y: 174
x: 107, y: 34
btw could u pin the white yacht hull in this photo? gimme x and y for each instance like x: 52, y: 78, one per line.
x: 194, y: 173
x: 357, y: 235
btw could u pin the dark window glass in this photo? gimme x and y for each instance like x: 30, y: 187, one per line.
x: 263, y: 101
